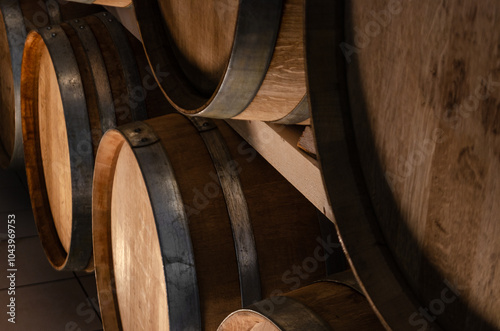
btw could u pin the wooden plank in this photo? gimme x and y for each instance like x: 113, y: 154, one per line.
x: 278, y: 145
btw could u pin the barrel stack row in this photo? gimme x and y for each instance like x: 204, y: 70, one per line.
x: 183, y: 222
x: 132, y: 172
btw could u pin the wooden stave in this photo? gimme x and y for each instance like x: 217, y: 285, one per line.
x: 21, y: 16
x: 448, y: 197
x: 341, y: 170
x: 344, y: 308
x: 374, y: 262
x: 102, y: 196
x: 239, y: 93
x: 80, y: 252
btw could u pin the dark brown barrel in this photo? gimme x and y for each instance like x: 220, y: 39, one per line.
x: 190, y: 224
x: 335, y: 304
x: 229, y: 58
x: 78, y: 81
x: 405, y: 104
x: 17, y: 18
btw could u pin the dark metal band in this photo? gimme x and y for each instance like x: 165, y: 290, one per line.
x: 244, y: 241
x: 298, y: 114
x: 290, y: 315
x: 255, y: 37
x: 80, y: 145
x: 128, y: 63
x: 16, y: 35
x: 93, y: 52
x: 54, y: 12
x: 184, y: 307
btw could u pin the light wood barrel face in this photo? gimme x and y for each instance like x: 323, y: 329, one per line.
x: 202, y: 35
x: 137, y: 260
x: 55, y: 149
x: 424, y: 82
x: 205, y: 47
x: 7, y: 101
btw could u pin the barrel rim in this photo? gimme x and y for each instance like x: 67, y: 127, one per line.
x: 238, y: 85
x: 178, y: 259
x: 79, y: 255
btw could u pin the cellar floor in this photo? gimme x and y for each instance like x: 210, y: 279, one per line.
x: 45, y: 299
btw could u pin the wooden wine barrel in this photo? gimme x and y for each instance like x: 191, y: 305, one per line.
x: 411, y: 158
x: 112, y: 3
x: 229, y: 58
x: 336, y: 303
x: 17, y: 18
x: 77, y: 82
x: 190, y: 224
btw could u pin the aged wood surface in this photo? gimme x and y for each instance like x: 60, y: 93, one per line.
x: 411, y: 158
x: 136, y: 250
x: 283, y: 222
x: 278, y: 145
x: 424, y: 96
x: 330, y: 305
x: 55, y: 149
x: 210, y: 73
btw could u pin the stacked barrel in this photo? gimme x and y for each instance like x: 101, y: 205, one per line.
x: 134, y: 174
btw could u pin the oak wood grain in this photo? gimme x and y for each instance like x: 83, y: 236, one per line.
x: 284, y: 223
x: 424, y: 98
x: 55, y: 149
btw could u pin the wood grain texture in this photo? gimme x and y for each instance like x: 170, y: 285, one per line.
x: 339, y: 306
x: 424, y: 90
x: 202, y: 48
x: 285, y: 83
x: 208, y: 74
x: 278, y: 145
x: 306, y: 142
x: 136, y: 250
x: 284, y: 224
x: 55, y: 149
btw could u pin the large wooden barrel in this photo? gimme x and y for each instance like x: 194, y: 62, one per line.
x: 17, y: 18
x: 190, y: 224
x: 229, y: 58
x: 78, y: 81
x: 411, y: 158
x: 112, y: 3
x: 334, y: 304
